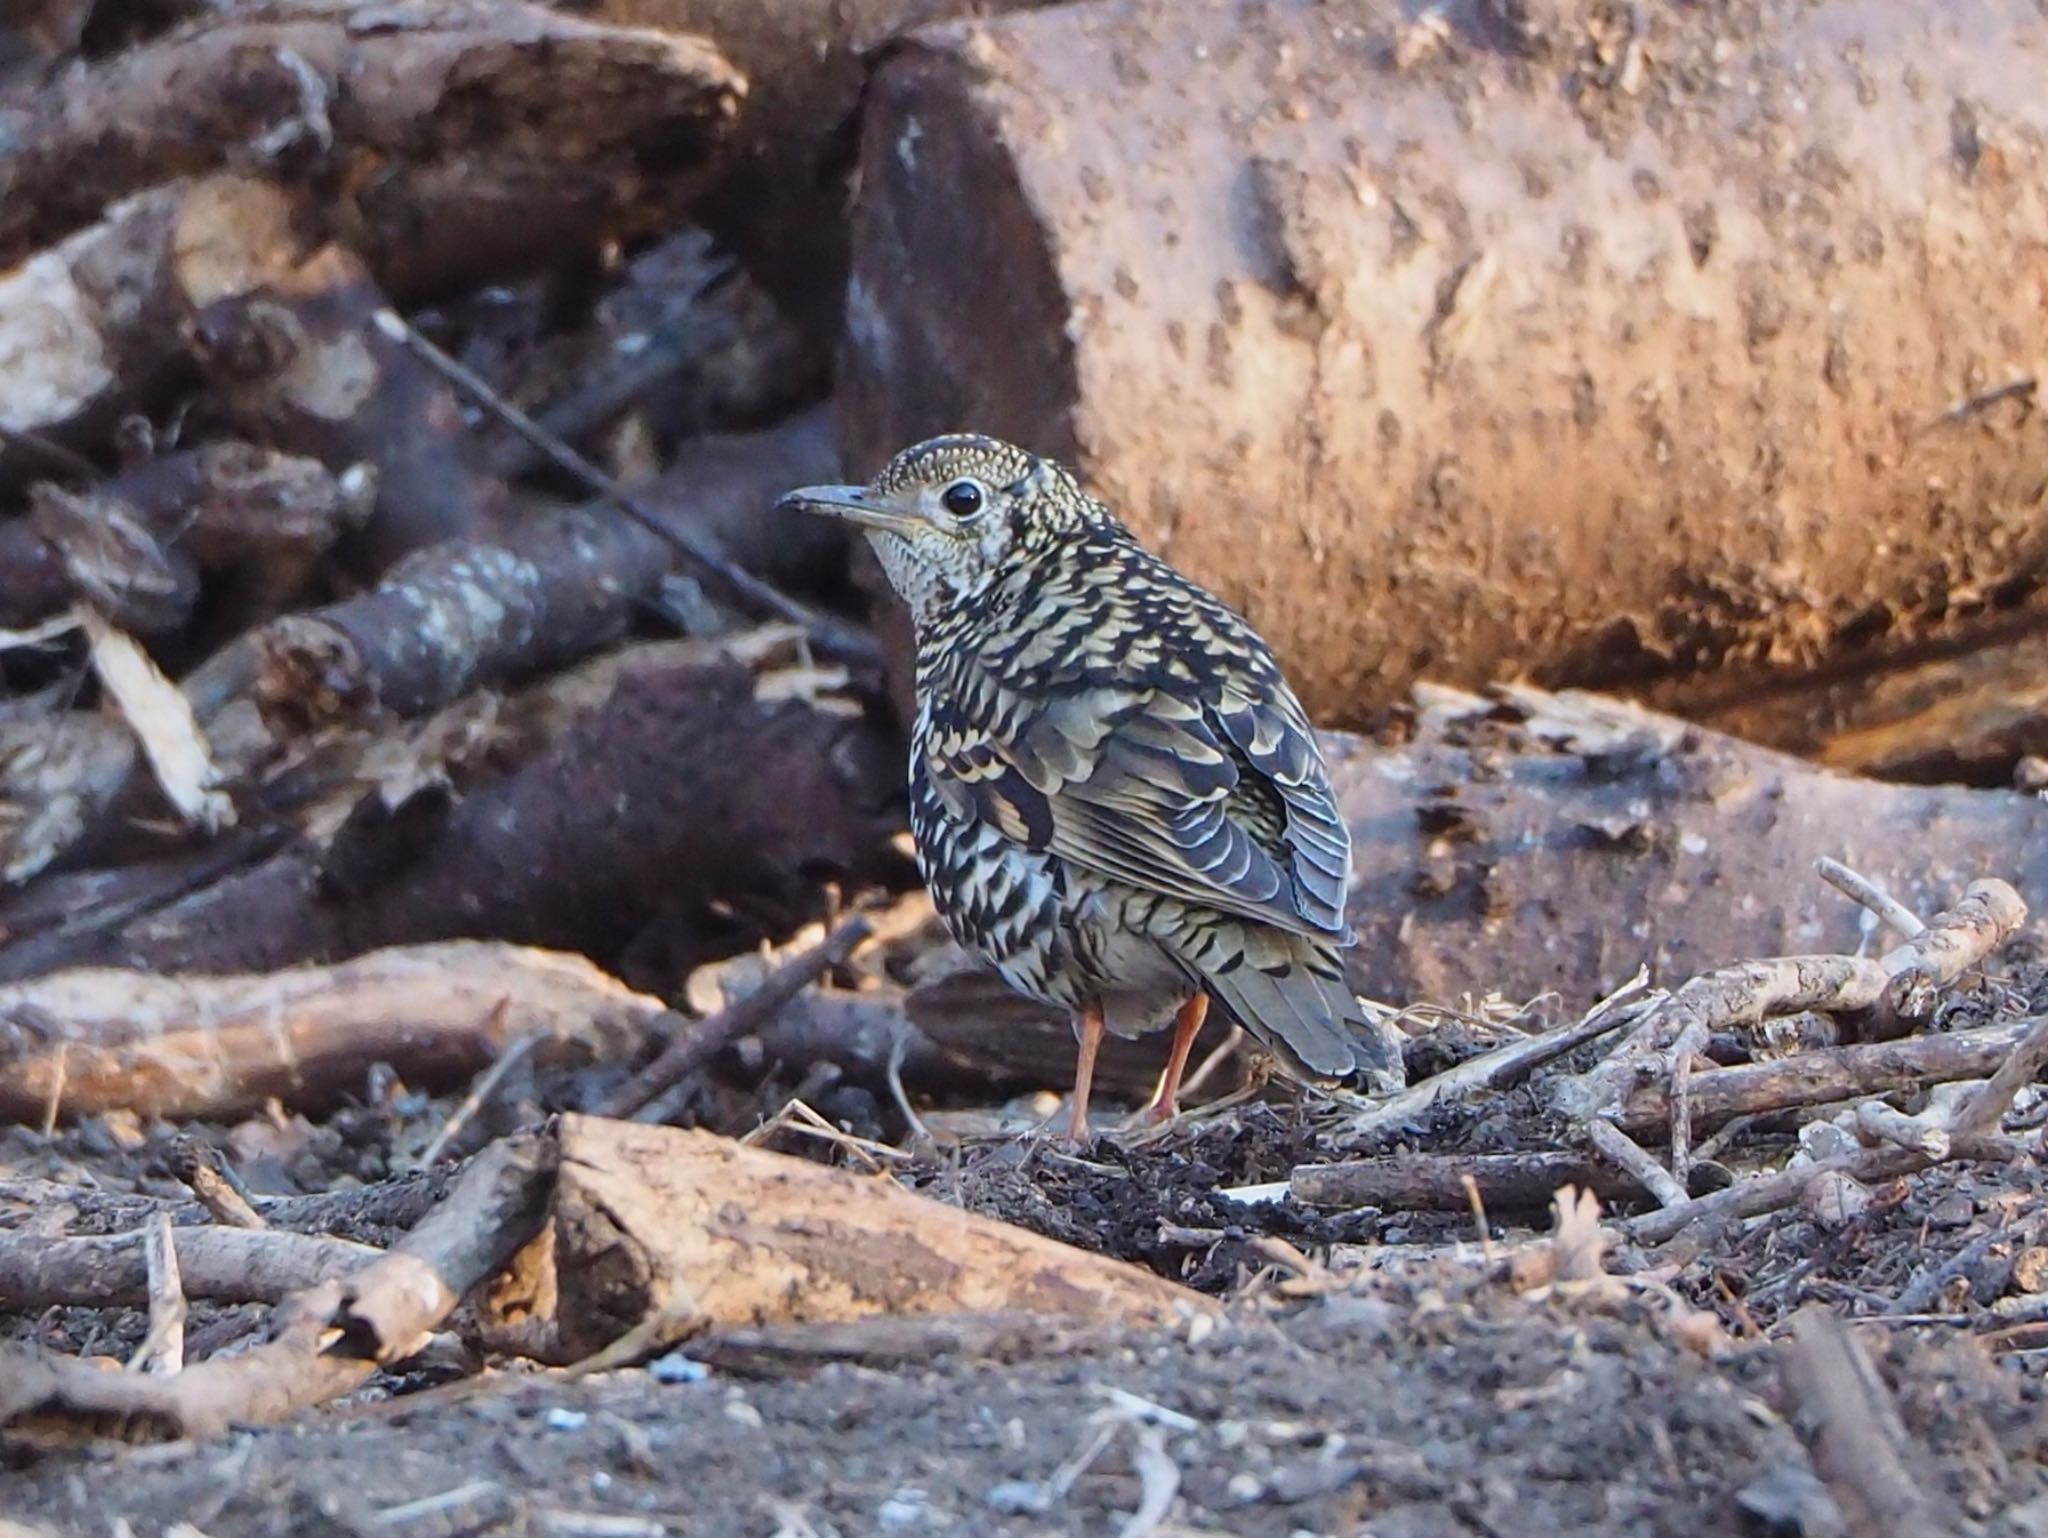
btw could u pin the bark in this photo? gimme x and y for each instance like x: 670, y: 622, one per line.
x: 658, y: 1223
x: 1557, y: 842
x: 90, y: 326
x: 464, y: 140
x: 93, y: 1040
x: 780, y: 198
x: 727, y: 485
x: 462, y: 615
x: 1522, y: 1182
x: 288, y: 337
x: 679, y: 791
x: 1624, y: 350
x: 1828, y: 1076
x: 1969, y: 711
x: 230, y: 1265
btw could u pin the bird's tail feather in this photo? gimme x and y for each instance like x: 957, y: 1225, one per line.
x: 1289, y: 992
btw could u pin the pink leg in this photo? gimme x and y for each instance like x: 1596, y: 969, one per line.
x: 1187, y: 1025
x: 1084, y: 1074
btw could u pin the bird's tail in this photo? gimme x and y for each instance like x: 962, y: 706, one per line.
x: 1289, y: 992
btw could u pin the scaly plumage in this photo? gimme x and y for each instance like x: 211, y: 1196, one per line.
x: 1115, y: 796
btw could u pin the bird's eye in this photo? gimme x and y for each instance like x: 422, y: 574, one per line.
x: 963, y: 499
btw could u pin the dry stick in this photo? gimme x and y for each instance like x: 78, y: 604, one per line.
x: 204, y: 1173
x: 1845, y: 1415
x: 830, y: 636
x: 1864, y: 892
x: 1681, y: 1119
x: 1781, y: 1188
x: 221, y: 1265
x: 1985, y: 1109
x: 485, y: 1086
x: 1619, y: 1149
x: 1828, y: 1074
x: 1503, y: 1065
x: 325, y: 1341
x: 696, y: 1045
x: 1969, y: 1132
x: 163, y: 1348
x: 1517, y: 1182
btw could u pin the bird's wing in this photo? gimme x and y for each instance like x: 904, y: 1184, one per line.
x: 1204, y: 785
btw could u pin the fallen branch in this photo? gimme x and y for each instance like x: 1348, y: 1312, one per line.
x: 726, y: 797
x: 221, y: 1265
x: 163, y: 1347
x: 1827, y: 1075
x: 215, y: 1046
x: 1504, y: 1065
x: 833, y: 637
x: 133, y: 546
x: 324, y: 1341
x: 206, y: 1175
x: 1517, y: 1182
x: 1906, y: 978
x: 1758, y: 1194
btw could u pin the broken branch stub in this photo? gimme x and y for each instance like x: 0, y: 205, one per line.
x: 1496, y: 357
x: 662, y: 1223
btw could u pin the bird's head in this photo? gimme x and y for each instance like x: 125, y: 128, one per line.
x: 951, y: 515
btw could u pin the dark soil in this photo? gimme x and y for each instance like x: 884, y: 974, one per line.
x: 1445, y: 1406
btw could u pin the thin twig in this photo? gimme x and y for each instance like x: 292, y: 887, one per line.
x: 828, y: 635
x: 1619, y: 1149
x: 700, y: 1041
x: 206, y: 1175
x: 163, y: 1349
x: 1503, y: 1065
x: 485, y: 1086
x: 898, y: 1046
x: 1860, y: 889
x: 1681, y: 1118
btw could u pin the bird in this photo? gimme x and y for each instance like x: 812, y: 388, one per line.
x: 1116, y: 799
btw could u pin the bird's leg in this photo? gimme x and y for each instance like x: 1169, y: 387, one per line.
x: 1088, y: 1028
x: 1187, y: 1025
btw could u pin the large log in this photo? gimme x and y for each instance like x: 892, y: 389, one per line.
x: 1559, y: 842
x: 1619, y: 348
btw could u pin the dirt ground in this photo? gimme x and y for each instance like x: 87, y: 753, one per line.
x: 1414, y: 1399
x: 1421, y: 1408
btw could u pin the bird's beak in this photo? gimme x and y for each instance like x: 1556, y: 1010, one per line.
x: 852, y: 503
